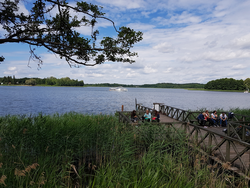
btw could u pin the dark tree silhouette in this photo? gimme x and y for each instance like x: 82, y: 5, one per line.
x: 58, y: 33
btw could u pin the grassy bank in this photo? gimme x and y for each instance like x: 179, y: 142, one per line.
x: 74, y: 150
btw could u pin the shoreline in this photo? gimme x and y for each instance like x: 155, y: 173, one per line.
x: 191, y: 89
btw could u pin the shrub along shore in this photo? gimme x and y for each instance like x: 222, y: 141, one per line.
x: 75, y: 150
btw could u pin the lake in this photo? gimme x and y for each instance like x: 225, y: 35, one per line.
x: 95, y: 100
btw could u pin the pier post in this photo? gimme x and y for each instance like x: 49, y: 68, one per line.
x: 228, y: 151
x: 243, y: 133
x: 243, y: 118
x: 243, y: 129
x: 196, y: 136
x: 228, y: 144
x: 210, y: 143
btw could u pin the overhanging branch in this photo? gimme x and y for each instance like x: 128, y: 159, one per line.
x: 85, y: 12
x: 58, y: 33
x: 40, y: 41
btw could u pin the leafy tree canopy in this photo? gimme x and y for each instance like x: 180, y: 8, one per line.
x: 52, y: 81
x: 52, y: 24
x: 225, y: 84
x: 247, y: 83
x: 30, y: 82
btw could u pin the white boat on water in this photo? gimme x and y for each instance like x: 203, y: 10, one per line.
x: 118, y: 89
x: 247, y: 91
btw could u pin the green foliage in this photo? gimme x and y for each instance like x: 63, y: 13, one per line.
x: 58, y: 33
x: 30, y: 82
x: 159, y: 85
x: 68, y: 82
x: 247, y: 83
x: 51, y: 81
x: 7, y: 80
x: 172, y: 85
x: 1, y: 58
x: 241, y: 112
x: 73, y: 150
x: 225, y: 84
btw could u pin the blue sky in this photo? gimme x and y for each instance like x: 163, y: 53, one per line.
x: 184, y: 41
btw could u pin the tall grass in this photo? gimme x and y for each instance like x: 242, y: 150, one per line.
x: 75, y: 150
x: 244, y: 111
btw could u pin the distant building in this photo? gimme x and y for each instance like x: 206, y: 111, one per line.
x: 2, y: 83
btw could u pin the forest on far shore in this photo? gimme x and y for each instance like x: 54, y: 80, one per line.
x: 50, y: 81
x: 227, y: 84
x: 158, y: 85
x: 219, y: 84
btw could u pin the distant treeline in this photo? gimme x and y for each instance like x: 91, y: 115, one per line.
x: 225, y: 84
x: 172, y: 85
x: 110, y: 85
x: 158, y: 85
x: 51, y: 81
x: 219, y: 84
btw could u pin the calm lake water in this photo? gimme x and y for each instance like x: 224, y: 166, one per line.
x: 95, y: 100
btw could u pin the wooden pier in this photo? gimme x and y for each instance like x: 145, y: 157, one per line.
x: 230, y: 149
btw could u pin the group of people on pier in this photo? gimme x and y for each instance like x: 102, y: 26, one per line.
x: 147, y: 117
x: 204, y: 119
x: 207, y: 120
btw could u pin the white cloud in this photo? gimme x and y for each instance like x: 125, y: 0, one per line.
x: 94, y: 75
x: 239, y: 66
x: 10, y: 72
x: 2, y: 31
x: 164, y: 48
x: 22, y: 8
x: 141, y: 27
x: 131, y: 75
x: 184, y: 41
x: 242, y: 42
x: 12, y: 68
x: 168, y: 70
x: 149, y: 69
x: 211, y: 44
x: 184, y: 18
x: 128, y: 4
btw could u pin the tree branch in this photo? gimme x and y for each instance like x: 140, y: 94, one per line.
x: 78, y: 10
x: 59, y: 34
x: 27, y: 40
x: 68, y: 58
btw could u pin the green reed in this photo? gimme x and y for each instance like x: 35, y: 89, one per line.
x: 75, y: 150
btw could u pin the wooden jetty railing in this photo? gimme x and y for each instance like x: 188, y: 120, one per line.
x: 123, y: 118
x: 231, y: 147
x: 219, y: 146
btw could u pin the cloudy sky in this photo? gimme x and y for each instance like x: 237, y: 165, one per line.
x: 184, y: 41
